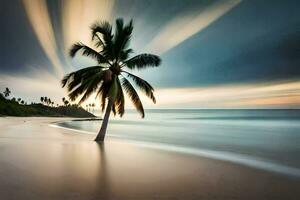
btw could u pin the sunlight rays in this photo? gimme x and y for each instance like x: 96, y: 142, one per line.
x: 40, y: 21
x: 184, y: 26
x: 78, y: 15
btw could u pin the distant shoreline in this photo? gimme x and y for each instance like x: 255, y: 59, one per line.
x: 13, y: 108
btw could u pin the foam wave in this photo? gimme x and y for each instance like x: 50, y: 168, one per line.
x: 71, y: 129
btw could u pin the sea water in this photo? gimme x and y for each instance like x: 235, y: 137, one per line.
x: 268, y: 139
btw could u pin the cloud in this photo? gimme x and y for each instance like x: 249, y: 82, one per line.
x: 272, y: 95
x: 40, y: 21
x: 183, y: 27
x: 31, y: 88
x: 79, y: 15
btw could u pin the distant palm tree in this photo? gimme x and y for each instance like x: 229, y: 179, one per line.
x: 42, y: 100
x: 46, y: 100
x: 65, y: 101
x: 107, y: 78
x: 22, y: 102
x: 6, y: 92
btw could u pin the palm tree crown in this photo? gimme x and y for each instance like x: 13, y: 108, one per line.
x: 108, y: 79
x: 6, y: 92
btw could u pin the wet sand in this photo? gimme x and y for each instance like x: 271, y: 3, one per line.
x: 40, y: 162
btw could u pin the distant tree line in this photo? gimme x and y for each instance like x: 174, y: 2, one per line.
x: 7, y: 93
x: 46, y: 101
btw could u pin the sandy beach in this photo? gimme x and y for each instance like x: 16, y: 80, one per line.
x: 38, y: 161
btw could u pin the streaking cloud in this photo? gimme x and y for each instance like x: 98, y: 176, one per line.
x: 183, y: 27
x: 271, y: 95
x: 40, y: 21
x: 78, y: 15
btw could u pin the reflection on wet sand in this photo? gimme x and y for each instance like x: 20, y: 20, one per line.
x: 55, y: 170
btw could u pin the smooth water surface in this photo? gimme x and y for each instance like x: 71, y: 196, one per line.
x: 269, y: 135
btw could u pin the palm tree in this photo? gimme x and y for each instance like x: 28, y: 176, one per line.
x: 107, y: 78
x: 48, y: 101
x: 42, y: 100
x: 45, y: 100
x: 6, y: 92
x: 65, y: 101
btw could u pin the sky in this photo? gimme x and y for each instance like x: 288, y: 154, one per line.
x: 215, y: 53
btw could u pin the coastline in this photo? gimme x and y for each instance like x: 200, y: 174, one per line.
x: 45, y: 162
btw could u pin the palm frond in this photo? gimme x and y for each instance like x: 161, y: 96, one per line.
x: 122, y: 36
x: 124, y: 54
x: 142, y: 61
x: 74, y: 94
x: 87, y: 51
x: 105, y: 29
x: 74, y: 79
x: 143, y: 85
x: 78, y: 78
x: 113, y: 109
x: 86, y: 87
x: 133, y: 95
x: 98, y: 41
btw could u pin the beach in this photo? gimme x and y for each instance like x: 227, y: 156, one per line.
x: 39, y: 161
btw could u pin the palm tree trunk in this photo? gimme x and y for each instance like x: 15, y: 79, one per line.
x: 101, y: 134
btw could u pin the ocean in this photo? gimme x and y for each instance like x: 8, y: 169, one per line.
x: 266, y: 139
